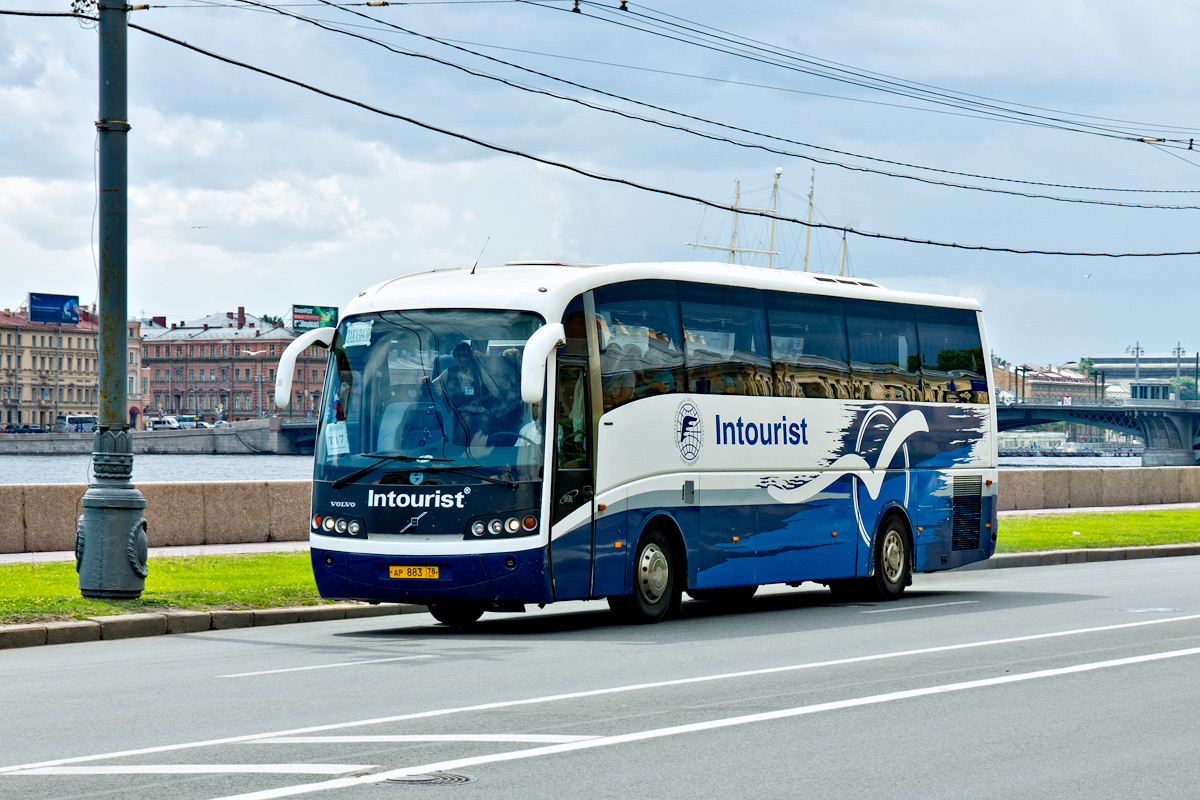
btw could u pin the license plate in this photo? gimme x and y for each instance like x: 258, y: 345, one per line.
x: 429, y: 573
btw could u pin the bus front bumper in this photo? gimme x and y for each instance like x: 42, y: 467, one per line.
x: 518, y: 577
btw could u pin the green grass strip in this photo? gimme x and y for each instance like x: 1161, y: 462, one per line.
x: 1019, y: 534
x: 50, y: 590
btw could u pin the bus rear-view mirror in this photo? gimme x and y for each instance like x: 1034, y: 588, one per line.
x: 533, y: 362
x: 287, y: 362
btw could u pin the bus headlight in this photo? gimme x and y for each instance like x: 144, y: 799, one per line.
x: 328, y: 523
x: 512, y: 525
x: 316, y: 521
x: 341, y: 526
x: 354, y: 527
x: 477, y: 528
x: 495, y: 527
x: 529, y: 523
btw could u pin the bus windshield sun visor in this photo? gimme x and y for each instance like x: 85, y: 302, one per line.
x: 287, y: 362
x: 533, y: 362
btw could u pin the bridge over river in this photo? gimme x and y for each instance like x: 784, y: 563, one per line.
x: 1170, y: 429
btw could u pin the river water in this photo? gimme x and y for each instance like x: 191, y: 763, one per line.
x: 169, y: 468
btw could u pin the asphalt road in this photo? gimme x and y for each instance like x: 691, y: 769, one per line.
x: 1048, y: 682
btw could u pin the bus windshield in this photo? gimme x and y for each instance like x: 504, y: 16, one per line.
x: 434, y: 392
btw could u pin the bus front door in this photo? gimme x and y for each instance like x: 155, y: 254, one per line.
x: 571, y: 507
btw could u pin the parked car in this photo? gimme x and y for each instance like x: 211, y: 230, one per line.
x: 14, y: 428
x: 34, y: 429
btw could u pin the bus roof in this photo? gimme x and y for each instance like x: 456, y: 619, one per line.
x: 546, y: 287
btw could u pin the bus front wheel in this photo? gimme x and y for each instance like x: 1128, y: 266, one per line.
x: 657, y: 592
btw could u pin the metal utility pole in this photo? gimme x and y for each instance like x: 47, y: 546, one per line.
x: 111, y: 545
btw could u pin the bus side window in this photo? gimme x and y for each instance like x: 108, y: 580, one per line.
x: 808, y: 345
x: 884, y: 358
x: 642, y: 317
x: 952, y: 366
x: 725, y: 336
x: 571, y: 425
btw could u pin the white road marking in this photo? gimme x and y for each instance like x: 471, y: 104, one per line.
x: 530, y: 738
x: 696, y: 727
x: 918, y: 608
x: 636, y: 687
x: 204, y: 769
x: 322, y: 666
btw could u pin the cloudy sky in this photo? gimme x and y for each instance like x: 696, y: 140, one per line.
x: 246, y: 190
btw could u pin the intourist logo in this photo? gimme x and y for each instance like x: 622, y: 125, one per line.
x: 753, y: 432
x: 689, y: 431
x: 428, y: 500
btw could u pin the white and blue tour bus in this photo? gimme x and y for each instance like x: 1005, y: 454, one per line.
x: 75, y: 423
x: 495, y: 437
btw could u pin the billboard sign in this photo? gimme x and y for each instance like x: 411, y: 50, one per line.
x: 307, y: 318
x: 56, y: 308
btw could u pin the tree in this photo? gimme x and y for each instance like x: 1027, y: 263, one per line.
x: 1086, y: 365
x: 271, y: 319
x: 1185, y: 389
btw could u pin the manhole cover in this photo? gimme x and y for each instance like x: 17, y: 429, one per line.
x: 431, y: 779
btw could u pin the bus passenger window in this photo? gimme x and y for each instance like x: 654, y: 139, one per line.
x: 808, y: 345
x: 884, y: 359
x: 952, y: 366
x: 642, y: 318
x: 725, y: 336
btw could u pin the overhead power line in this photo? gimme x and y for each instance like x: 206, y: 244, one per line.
x: 799, y: 62
x: 701, y: 134
x: 633, y: 184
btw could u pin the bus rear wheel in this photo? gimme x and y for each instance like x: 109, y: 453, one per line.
x: 455, y: 614
x: 656, y: 589
x: 893, y: 566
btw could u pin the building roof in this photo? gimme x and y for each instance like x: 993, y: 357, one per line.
x: 222, y: 326
x: 14, y: 319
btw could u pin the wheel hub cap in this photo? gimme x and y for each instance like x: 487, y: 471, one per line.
x: 653, y: 574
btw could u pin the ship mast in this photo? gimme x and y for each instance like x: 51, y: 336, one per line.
x: 732, y: 247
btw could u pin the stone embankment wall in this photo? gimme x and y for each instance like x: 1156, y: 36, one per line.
x: 1030, y: 489
x: 44, y: 517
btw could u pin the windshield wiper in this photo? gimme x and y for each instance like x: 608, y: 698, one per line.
x: 474, y: 474
x: 381, y: 459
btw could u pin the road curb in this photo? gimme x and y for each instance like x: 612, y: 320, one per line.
x: 1045, y: 558
x: 128, y: 626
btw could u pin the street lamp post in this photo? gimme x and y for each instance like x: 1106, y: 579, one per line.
x: 1137, y: 351
x: 258, y: 376
x: 110, y: 544
x: 1020, y: 373
x: 1178, y: 353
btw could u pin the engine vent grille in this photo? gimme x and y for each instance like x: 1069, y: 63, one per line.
x: 967, y: 512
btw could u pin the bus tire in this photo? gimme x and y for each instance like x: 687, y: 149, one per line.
x: 729, y: 595
x: 892, y: 566
x: 656, y: 589
x: 456, y: 615
x: 893, y: 559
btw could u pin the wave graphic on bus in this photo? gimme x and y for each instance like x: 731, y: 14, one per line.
x: 801, y: 488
